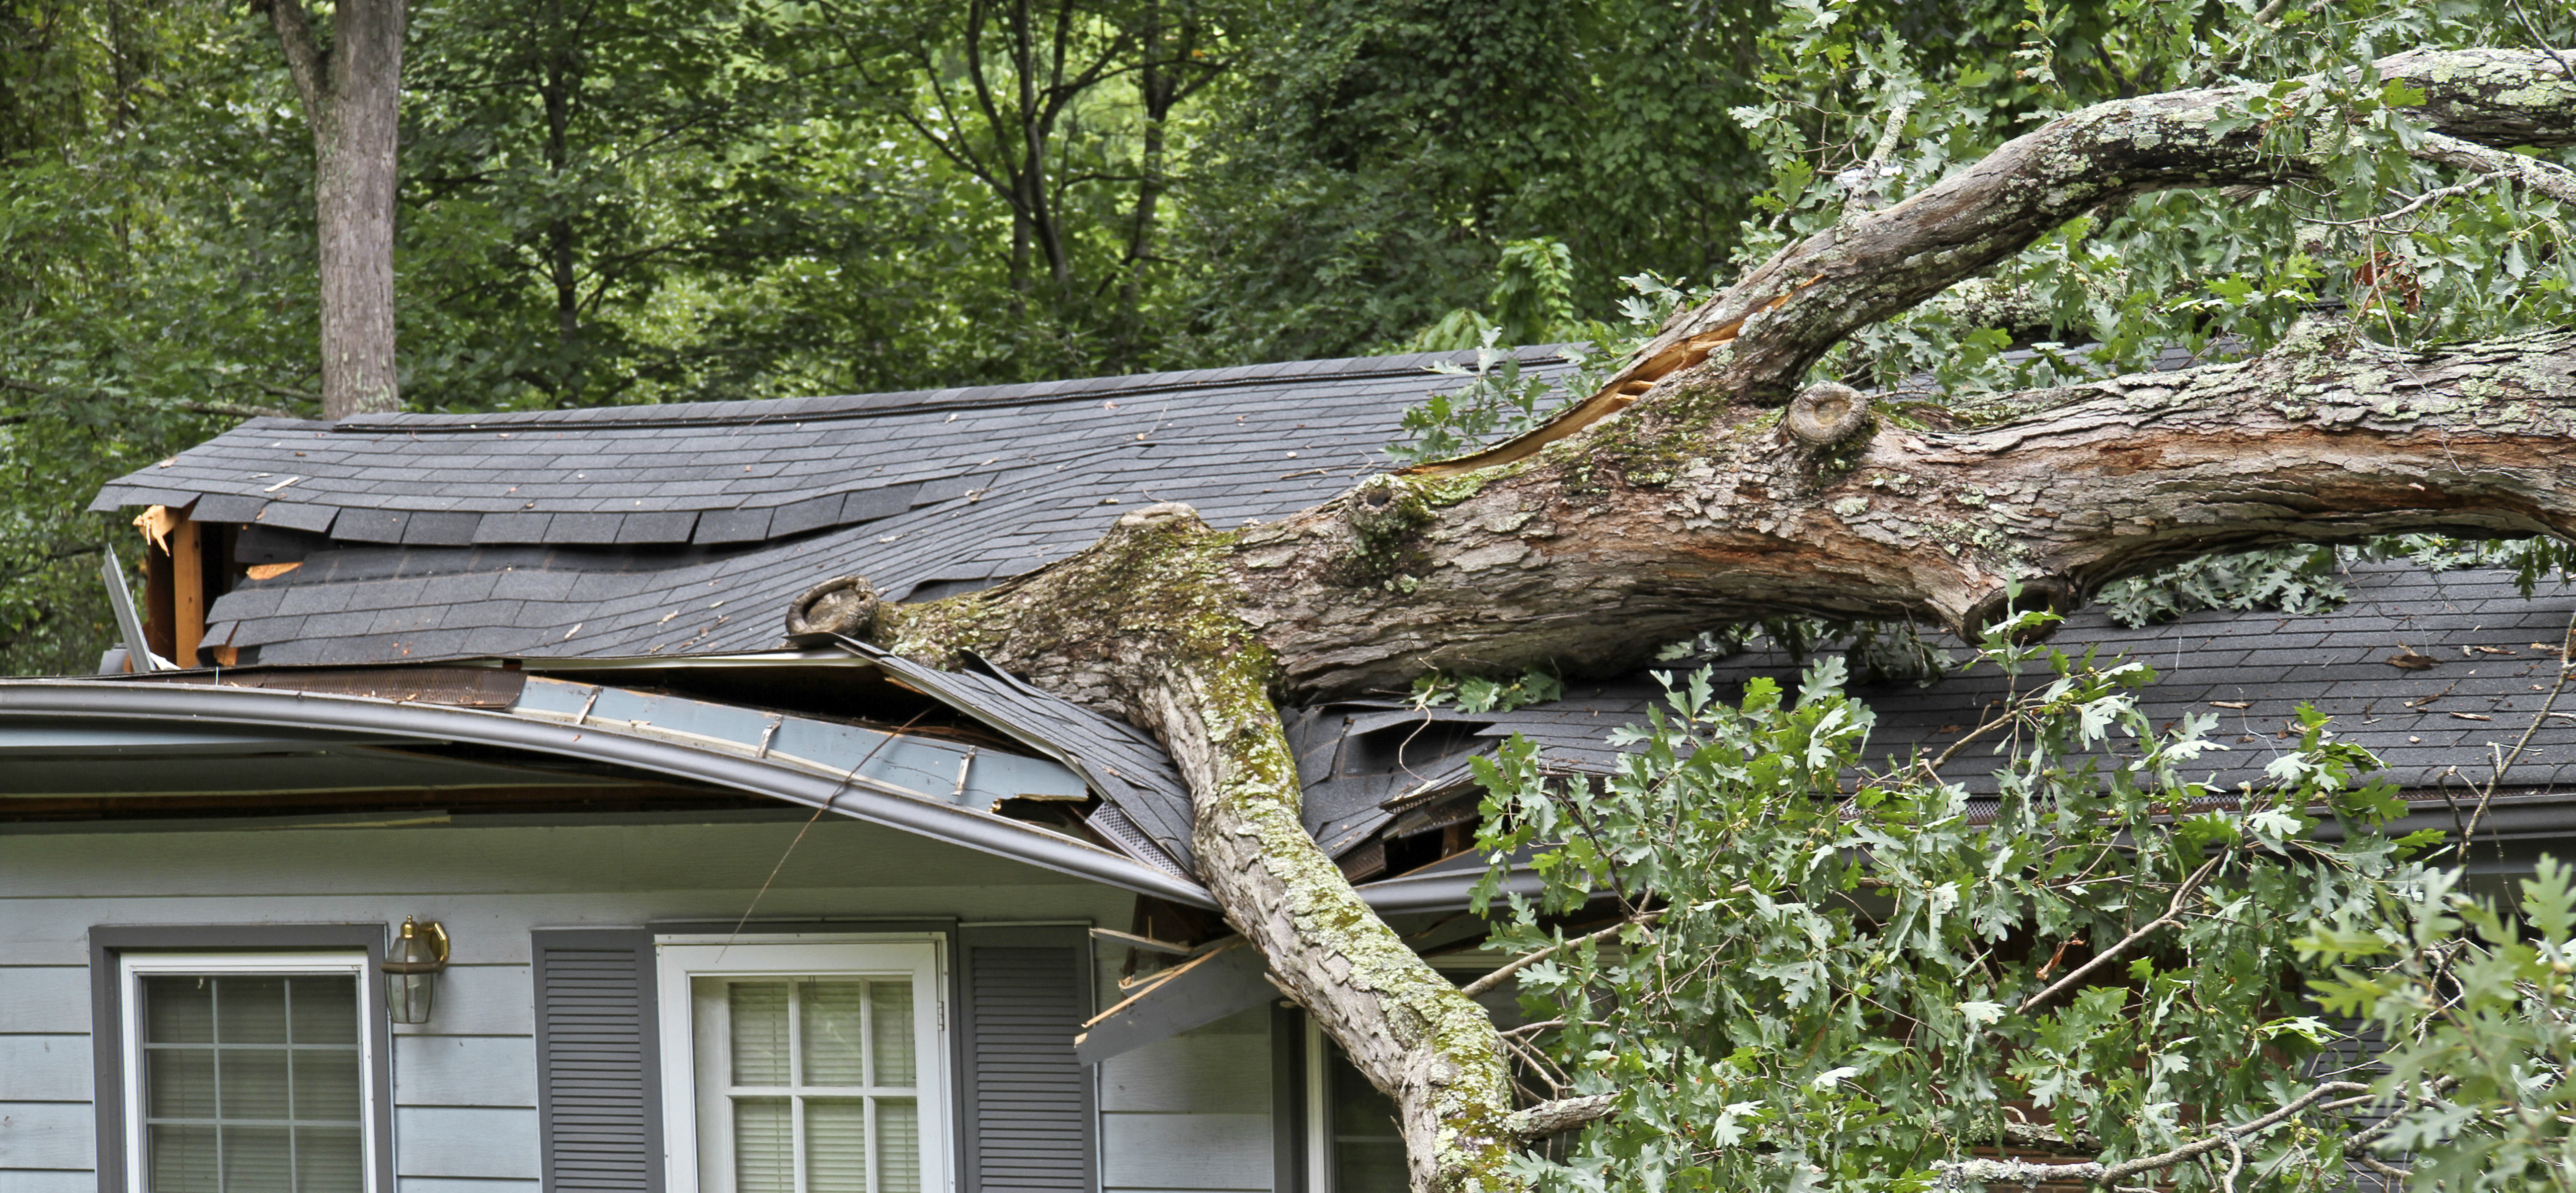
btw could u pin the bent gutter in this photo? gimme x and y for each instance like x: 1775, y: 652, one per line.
x: 856, y: 797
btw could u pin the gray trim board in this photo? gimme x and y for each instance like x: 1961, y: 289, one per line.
x: 107, y: 1018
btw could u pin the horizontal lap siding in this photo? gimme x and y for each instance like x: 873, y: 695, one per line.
x: 47, y: 1126
x: 1028, y: 1101
x: 1192, y: 1112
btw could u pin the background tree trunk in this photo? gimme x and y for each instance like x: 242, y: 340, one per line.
x: 352, y: 91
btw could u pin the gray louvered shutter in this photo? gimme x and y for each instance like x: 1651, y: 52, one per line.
x: 1028, y: 1103
x: 599, y: 1099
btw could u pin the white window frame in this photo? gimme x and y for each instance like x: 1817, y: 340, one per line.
x: 680, y: 960
x: 133, y: 966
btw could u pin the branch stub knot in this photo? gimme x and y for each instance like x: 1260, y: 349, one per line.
x: 1826, y: 414
x: 845, y: 605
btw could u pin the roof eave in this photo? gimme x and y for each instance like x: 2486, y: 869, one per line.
x: 267, y: 708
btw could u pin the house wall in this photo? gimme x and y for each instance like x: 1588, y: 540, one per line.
x: 1192, y: 1112
x: 465, y: 1083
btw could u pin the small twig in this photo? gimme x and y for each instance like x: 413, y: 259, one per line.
x: 2094, y: 1171
x: 2172, y: 915
x: 2417, y: 204
x: 2535, y: 174
x: 2565, y: 642
x: 1517, y: 964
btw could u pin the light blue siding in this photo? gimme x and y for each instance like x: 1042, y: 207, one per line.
x: 51, y: 1181
x: 464, y: 1083
x: 45, y: 1068
x: 463, y: 1141
x: 47, y: 1135
x: 494, y: 1071
x: 479, y: 1000
x: 1191, y: 1112
x: 44, y: 998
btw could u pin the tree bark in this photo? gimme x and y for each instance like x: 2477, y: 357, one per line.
x: 352, y: 92
x: 1685, y: 497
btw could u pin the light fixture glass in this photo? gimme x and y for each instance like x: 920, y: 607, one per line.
x: 411, y: 972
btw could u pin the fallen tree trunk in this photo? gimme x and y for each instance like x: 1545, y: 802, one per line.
x: 1593, y: 541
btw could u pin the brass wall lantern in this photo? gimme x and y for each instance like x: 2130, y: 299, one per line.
x: 411, y: 972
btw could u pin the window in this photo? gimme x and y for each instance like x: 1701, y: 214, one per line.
x: 1354, y: 1144
x: 811, y: 1066
x: 247, y: 1073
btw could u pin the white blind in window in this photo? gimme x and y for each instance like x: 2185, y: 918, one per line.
x: 250, y: 1084
x: 818, y: 1084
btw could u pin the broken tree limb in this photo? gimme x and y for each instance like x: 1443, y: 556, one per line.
x: 1563, y: 1114
x: 1674, y: 501
x: 1688, y: 511
x: 1783, y: 316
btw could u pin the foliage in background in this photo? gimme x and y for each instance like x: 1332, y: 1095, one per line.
x: 156, y: 262
x: 664, y: 200
x: 1807, y: 982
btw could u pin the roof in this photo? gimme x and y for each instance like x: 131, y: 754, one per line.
x: 2437, y: 729
x: 688, y: 528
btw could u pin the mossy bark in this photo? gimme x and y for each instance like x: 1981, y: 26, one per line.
x: 1149, y: 622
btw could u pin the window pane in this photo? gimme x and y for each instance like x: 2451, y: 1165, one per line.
x: 327, y: 1160
x: 1368, y: 1146
x: 257, y: 1160
x: 250, y: 1010
x: 759, y: 1033
x: 898, y: 1146
x: 764, y: 1146
x: 252, y: 1083
x: 325, y: 1010
x: 836, y: 1147
x: 181, y: 1160
x: 893, y: 1032
x: 180, y: 1081
x: 833, y: 1053
x: 179, y: 1010
x: 326, y: 1085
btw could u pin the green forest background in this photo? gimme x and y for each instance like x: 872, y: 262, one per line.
x: 637, y: 201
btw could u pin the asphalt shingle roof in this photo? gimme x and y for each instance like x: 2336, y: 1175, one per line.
x: 688, y: 528
x: 2436, y: 730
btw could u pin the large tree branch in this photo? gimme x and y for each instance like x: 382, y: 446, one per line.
x: 1694, y: 508
x: 1703, y: 502
x: 1759, y: 337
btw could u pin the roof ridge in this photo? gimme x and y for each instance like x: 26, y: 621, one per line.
x: 841, y: 406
